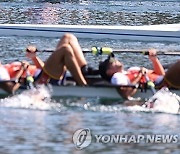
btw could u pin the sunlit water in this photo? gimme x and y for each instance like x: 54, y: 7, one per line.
x: 28, y: 125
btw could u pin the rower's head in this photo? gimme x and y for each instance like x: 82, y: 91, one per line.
x: 110, y: 66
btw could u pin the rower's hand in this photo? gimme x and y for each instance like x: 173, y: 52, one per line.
x: 143, y: 70
x: 25, y: 64
x: 152, y: 54
x: 31, y: 52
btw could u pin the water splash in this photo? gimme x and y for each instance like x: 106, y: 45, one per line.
x: 122, y: 108
x: 164, y: 101
x: 37, y: 98
x: 169, y: 106
x: 40, y: 99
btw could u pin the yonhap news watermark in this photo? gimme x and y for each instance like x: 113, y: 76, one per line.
x: 82, y: 138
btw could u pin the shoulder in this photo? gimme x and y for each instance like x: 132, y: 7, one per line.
x: 119, y: 74
x: 4, y: 75
x: 120, y: 78
x: 134, y: 68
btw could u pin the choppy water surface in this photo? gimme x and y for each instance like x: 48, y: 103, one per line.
x: 97, y: 12
x: 30, y: 126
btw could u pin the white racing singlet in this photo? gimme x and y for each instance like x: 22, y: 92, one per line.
x: 4, y: 75
x: 120, y: 78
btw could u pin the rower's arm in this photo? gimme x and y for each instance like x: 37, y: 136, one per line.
x: 157, y: 66
x: 24, y: 66
x: 31, y: 53
x: 127, y: 92
x: 10, y: 86
x: 137, y: 78
x: 38, y: 62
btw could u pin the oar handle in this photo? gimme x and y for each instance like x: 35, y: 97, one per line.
x: 29, y: 80
x: 150, y: 84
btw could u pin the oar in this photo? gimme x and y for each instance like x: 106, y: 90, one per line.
x: 29, y: 81
x: 143, y: 51
x: 150, y: 84
x: 12, y: 80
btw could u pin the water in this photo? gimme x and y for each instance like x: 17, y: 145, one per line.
x: 30, y: 126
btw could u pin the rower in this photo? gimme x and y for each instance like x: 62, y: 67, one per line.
x: 6, y: 83
x: 112, y: 70
x: 67, y: 56
x: 171, y: 78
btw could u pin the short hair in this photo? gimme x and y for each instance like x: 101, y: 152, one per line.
x: 103, y: 66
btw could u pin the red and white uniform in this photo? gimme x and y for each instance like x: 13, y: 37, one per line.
x: 14, y: 67
x: 126, y: 77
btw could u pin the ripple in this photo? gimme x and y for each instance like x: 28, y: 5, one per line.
x: 90, y: 12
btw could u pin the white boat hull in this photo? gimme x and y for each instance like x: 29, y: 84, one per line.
x: 99, y: 92
x: 169, y: 32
